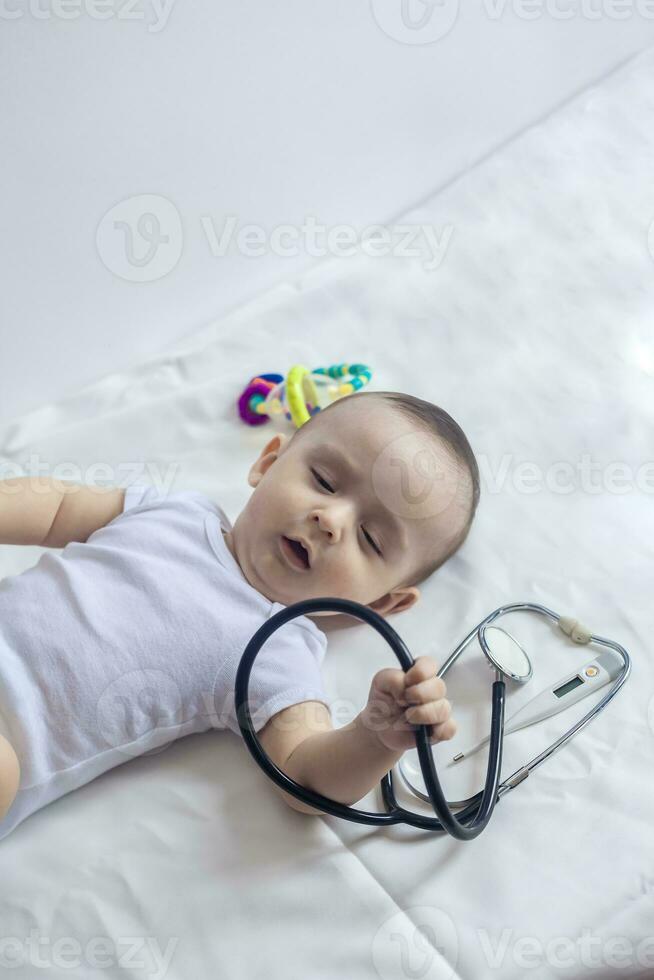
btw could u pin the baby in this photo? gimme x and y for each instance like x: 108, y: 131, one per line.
x: 130, y: 636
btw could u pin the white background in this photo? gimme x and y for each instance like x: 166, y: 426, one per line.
x: 267, y: 111
x: 536, y: 335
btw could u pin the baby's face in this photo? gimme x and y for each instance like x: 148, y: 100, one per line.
x: 370, y: 495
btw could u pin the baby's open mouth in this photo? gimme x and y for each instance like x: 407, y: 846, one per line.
x: 296, y: 552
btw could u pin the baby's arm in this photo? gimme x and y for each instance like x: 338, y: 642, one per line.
x: 344, y: 764
x: 50, y: 513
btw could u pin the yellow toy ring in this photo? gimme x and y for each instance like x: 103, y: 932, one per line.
x: 296, y: 383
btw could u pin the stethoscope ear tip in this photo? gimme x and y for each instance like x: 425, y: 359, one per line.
x: 577, y: 632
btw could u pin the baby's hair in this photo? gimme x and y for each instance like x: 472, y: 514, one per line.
x: 436, y: 421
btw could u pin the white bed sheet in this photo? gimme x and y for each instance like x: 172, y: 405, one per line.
x: 536, y: 334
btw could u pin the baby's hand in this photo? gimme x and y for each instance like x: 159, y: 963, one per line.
x: 398, y: 700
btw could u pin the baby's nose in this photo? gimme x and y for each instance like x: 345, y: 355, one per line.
x: 327, y: 525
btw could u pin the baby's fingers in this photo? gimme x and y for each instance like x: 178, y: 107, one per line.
x: 432, y: 689
x: 421, y: 670
x: 390, y: 681
x: 443, y: 732
x: 432, y: 713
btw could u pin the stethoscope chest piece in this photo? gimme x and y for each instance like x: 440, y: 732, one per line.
x: 505, y: 654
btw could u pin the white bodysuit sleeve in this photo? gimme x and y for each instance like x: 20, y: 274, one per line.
x: 287, y: 671
x: 144, y: 496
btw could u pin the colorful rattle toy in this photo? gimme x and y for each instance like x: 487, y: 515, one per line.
x: 301, y: 395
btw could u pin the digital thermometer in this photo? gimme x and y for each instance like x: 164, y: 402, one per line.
x: 564, y: 693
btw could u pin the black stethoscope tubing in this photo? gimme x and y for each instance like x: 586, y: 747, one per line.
x: 468, y: 822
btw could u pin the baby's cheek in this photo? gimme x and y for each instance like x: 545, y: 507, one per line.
x: 269, y: 508
x: 356, y: 584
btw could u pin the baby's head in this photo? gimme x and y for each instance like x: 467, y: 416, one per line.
x: 382, y: 489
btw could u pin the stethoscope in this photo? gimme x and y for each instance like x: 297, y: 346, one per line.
x: 504, y: 655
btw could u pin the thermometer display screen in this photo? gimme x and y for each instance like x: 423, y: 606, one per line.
x: 570, y: 686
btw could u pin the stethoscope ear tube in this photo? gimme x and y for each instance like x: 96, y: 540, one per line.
x: 480, y: 808
x: 244, y: 718
x: 489, y: 797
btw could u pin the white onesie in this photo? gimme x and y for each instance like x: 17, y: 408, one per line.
x: 116, y: 646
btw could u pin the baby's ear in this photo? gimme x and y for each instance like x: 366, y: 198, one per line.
x: 399, y: 600
x: 283, y: 440
x: 273, y: 448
